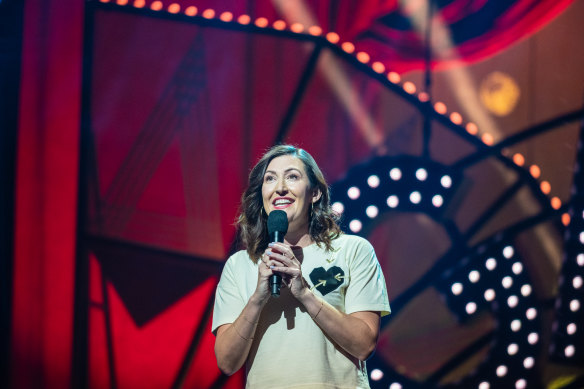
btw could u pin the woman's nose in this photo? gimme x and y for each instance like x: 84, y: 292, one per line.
x: 282, y: 186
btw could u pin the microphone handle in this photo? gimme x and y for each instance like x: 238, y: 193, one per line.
x: 276, y: 279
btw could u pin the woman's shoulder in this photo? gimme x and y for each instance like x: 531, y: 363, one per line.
x: 239, y: 259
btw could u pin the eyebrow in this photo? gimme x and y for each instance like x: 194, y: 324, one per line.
x: 285, y: 171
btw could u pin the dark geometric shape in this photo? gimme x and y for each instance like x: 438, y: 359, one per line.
x: 326, y: 281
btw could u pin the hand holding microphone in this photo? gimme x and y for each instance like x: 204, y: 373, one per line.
x: 277, y: 229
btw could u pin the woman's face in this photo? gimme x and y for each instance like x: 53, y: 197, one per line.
x: 286, y: 187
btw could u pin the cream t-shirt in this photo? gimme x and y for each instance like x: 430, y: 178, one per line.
x: 289, y: 350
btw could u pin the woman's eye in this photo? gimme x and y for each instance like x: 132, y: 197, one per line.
x: 269, y: 178
x: 292, y: 177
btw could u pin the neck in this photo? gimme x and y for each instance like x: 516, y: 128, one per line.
x: 298, y: 238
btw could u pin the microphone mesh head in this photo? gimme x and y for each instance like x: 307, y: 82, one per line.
x: 277, y: 221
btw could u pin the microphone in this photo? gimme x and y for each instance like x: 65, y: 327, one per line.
x: 277, y: 228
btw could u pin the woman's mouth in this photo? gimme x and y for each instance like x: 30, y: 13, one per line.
x: 282, y: 203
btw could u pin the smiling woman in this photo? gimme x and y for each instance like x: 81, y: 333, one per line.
x: 322, y: 328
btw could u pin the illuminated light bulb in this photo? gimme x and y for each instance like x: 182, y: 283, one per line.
x: 139, y: 3
x: 471, y: 308
x: 279, y: 25
x: 472, y: 128
x: 512, y: 349
x: 355, y: 225
x: 423, y: 97
x: 363, y: 57
x: 446, y: 181
x: 566, y: 219
x: 535, y: 171
x: 393, y: 77
x: 395, y: 174
x: 156, y: 6
x: 376, y: 375
x: 531, y: 313
x: 574, y: 305
x: 489, y: 294
x: 353, y: 193
x: 208, y: 13
x: 440, y: 107
x: 332, y: 37
x: 515, y: 325
x: 474, y: 276
x: 528, y: 362
x: 104, y: 1
x: 484, y: 385
x: 392, y: 201
x: 508, y: 252
x: 577, y: 282
x: 378, y: 67
x: 421, y: 174
x: 507, y: 282
x: 571, y: 328
x: 174, y: 8
x: 518, y: 159
x: 348, y: 47
x: 415, y: 197
x: 582, y: 237
x: 372, y: 211
x: 297, y: 28
x: 456, y: 288
x: 315, y: 30
x: 191, y: 11
x: 395, y: 385
x: 556, y: 203
x: 580, y: 259
x: 526, y: 290
x: 409, y: 87
x: 501, y: 371
x: 244, y: 19
x: 512, y: 301
x: 491, y: 264
x: 456, y: 118
x: 569, y: 351
x: 437, y: 201
x: 517, y: 268
x: 373, y: 181
x: 545, y: 187
x: 532, y: 338
x: 261, y: 22
x: 488, y: 139
x: 122, y: 2
x: 520, y: 384
x: 338, y: 207
x: 226, y: 17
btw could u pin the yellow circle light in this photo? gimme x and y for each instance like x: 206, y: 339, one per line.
x: 499, y: 93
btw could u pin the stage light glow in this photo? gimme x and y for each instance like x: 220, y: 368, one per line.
x: 348, y: 47
x: 472, y: 128
x: 156, y: 6
x: 556, y: 203
x: 395, y: 174
x: 491, y: 264
x: 571, y: 329
x: 279, y: 25
x: 507, y: 282
x: 191, y: 11
x: 139, y: 3
x: 446, y: 181
x: 474, y: 276
x: 535, y: 171
x: 574, y: 305
x: 423, y: 97
x: 332, y: 37
x: 520, y: 384
x: 261, y: 22
x: 315, y: 30
x: 409, y: 87
x: 569, y: 351
x: 378, y: 67
x: 421, y: 174
x: 376, y: 375
x: 395, y: 385
x: 528, y: 362
x: 244, y: 19
x: 582, y: 237
x: 488, y: 139
x: 355, y: 225
x: 437, y: 201
x: 512, y: 301
x: 338, y: 207
x: 372, y: 211
x: 226, y: 17
x: 512, y: 349
x: 484, y: 385
x: 363, y: 57
x: 577, y: 282
x: 501, y: 371
x: 456, y: 118
x: 174, y: 8
x: 208, y: 13
x: 517, y: 268
x: 297, y: 28
x: 353, y: 193
x: 373, y: 181
x: 532, y: 338
x: 580, y: 259
x: 508, y: 252
x: 526, y: 290
x: 566, y: 219
x: 392, y: 201
x: 515, y: 325
x: 122, y: 2
x: 545, y: 187
x: 489, y: 294
x: 415, y: 197
x: 518, y: 159
x: 440, y: 107
x: 456, y: 288
x: 471, y: 308
x: 531, y: 313
x: 393, y: 77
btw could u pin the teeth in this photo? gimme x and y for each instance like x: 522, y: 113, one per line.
x: 282, y: 201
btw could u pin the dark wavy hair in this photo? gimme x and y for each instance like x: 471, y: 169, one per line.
x: 252, y: 220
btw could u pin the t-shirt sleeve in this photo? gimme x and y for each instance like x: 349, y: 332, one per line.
x: 366, y: 290
x: 228, y: 299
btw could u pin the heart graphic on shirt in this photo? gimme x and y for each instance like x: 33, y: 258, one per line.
x: 325, y: 281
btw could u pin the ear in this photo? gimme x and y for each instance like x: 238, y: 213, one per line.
x: 316, y: 195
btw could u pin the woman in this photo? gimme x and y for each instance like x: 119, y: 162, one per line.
x: 325, y: 324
